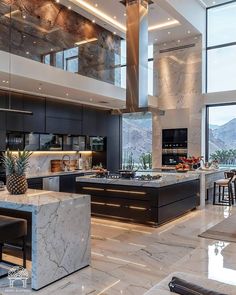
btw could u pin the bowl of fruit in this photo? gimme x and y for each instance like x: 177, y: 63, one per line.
x: 182, y: 168
x: 192, y: 162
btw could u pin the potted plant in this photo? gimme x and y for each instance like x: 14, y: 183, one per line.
x: 15, y: 165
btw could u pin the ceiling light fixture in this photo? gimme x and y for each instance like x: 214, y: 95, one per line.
x: 164, y: 25
x: 94, y: 10
x: 113, y: 22
x: 86, y: 41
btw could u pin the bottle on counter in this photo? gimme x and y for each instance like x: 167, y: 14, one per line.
x: 80, y: 163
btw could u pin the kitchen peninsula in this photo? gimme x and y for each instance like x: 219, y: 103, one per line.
x: 152, y: 202
x: 60, y: 243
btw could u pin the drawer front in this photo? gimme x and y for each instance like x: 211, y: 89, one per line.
x: 177, y: 192
x: 171, y: 211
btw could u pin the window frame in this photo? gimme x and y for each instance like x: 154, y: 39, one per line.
x: 207, y: 155
x: 215, y: 46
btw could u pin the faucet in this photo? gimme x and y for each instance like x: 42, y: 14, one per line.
x: 65, y: 167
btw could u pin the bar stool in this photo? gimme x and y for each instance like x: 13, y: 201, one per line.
x: 223, y: 184
x: 12, y: 229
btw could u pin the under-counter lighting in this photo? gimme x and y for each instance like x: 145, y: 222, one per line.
x: 14, y: 111
x: 59, y: 152
x: 86, y: 41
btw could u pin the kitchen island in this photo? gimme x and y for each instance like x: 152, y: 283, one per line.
x: 151, y: 202
x: 60, y: 227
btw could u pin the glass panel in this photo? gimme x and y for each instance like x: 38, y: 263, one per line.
x: 222, y: 135
x: 72, y: 65
x: 221, y: 69
x: 59, y: 60
x: 47, y: 59
x: 222, y: 24
x: 137, y: 141
x: 31, y: 142
x: 50, y: 142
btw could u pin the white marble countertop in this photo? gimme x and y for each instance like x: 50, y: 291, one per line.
x: 166, y: 179
x: 53, y: 174
x: 35, y: 199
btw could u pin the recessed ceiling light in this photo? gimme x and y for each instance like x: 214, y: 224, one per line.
x: 39, y: 88
x: 91, y: 99
x: 67, y: 94
x: 57, y: 1
x: 114, y: 17
x: 156, y: 39
x: 178, y: 41
x: 93, y: 20
x: 34, y: 42
x: 189, y: 31
x: 169, y: 18
x: 114, y: 33
x: 196, y: 38
x: 27, y: 52
x: 51, y: 49
x: 96, y: 5
x: 213, y: 2
x: 3, y: 81
x: 69, y: 7
x: 24, y: 36
x: 125, y: 14
x: 168, y: 33
x: 7, y: 82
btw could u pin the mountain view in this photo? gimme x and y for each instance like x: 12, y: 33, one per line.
x: 137, y: 137
x: 223, y: 137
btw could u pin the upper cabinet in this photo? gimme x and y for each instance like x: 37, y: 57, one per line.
x: 15, y: 122
x: 63, y: 118
x: 26, y: 123
x: 36, y: 122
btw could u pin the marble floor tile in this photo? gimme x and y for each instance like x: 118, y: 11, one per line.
x: 129, y: 259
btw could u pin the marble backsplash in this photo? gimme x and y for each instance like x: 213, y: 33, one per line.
x: 40, y: 162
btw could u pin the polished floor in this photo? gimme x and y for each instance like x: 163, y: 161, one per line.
x: 129, y: 259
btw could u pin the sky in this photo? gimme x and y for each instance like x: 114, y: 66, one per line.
x: 222, y: 114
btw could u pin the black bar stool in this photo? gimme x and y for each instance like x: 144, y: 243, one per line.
x: 12, y: 229
x: 222, y: 185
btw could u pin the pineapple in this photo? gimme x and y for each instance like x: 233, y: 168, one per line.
x: 16, y: 166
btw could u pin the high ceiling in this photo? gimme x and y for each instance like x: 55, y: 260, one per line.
x: 209, y: 3
x: 164, y: 26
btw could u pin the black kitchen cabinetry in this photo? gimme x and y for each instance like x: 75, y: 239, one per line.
x: 35, y: 183
x: 60, y: 118
x: 68, y: 183
x: 149, y: 205
x: 15, y: 121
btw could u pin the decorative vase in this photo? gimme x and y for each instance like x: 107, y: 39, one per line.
x: 16, y: 185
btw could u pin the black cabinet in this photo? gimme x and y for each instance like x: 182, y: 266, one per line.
x: 36, y: 122
x: 68, y: 183
x: 15, y: 122
x: 35, y: 183
x: 63, y: 126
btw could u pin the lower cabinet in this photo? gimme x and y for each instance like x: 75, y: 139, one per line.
x: 68, y: 183
x: 35, y: 183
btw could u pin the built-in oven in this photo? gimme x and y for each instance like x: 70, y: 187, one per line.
x: 174, y: 145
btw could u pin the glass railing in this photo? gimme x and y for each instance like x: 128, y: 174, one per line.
x: 54, y: 35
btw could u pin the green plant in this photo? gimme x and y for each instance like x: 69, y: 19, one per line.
x: 146, y: 161
x: 224, y: 156
x: 16, y: 163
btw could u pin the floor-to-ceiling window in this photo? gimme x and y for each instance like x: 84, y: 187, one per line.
x: 222, y: 134
x: 137, y: 141
x: 221, y: 47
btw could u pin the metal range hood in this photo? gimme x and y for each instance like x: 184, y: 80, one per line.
x: 137, y: 57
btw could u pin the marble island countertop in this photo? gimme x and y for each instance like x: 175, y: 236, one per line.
x: 34, y: 199
x: 165, y: 180
x: 31, y: 175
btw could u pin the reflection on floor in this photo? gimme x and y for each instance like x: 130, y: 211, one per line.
x: 129, y: 259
